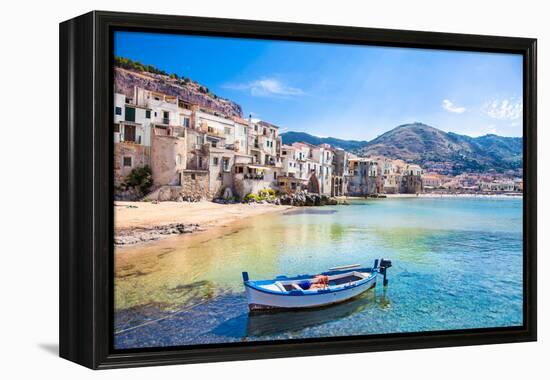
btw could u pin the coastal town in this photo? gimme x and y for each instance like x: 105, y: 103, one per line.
x: 222, y: 149
x: 196, y: 153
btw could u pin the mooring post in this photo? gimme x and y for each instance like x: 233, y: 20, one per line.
x: 385, y: 278
x: 384, y: 265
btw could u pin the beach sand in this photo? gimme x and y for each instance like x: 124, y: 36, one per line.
x: 147, y: 215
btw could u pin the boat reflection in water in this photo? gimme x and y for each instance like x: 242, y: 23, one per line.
x: 277, y: 322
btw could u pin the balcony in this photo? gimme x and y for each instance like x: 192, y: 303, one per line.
x: 212, y: 131
x: 275, y: 163
x: 135, y: 140
x: 258, y: 177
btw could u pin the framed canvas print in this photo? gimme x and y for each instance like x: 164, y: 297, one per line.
x: 238, y: 189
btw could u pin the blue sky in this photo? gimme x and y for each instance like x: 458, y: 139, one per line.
x: 345, y: 91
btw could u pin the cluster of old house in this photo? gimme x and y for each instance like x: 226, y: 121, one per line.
x: 473, y: 183
x: 203, y: 153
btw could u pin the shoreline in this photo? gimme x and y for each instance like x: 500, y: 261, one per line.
x: 435, y: 195
x: 448, y: 195
x: 141, y: 222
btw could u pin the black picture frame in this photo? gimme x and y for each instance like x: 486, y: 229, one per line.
x: 86, y: 207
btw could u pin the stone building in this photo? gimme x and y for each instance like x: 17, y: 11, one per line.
x: 365, y: 178
x: 290, y: 180
x: 311, y: 165
x: 221, y: 162
x: 168, y: 157
x: 198, y: 152
x: 132, y: 137
x: 127, y: 157
x: 411, y: 182
x: 431, y: 181
x: 340, y: 172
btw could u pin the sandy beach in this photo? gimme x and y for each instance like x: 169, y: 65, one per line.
x: 150, y: 221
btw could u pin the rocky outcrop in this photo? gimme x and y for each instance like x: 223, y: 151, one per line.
x: 303, y: 198
x: 190, y: 91
x: 140, y: 235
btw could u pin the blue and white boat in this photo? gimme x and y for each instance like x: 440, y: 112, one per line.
x: 337, y: 285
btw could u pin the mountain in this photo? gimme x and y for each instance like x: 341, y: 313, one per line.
x: 129, y: 73
x: 349, y: 145
x: 434, y: 149
x: 431, y: 147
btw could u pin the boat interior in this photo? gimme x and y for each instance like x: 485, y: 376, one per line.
x: 335, y: 281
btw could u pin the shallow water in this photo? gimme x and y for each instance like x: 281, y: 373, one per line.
x: 457, y: 264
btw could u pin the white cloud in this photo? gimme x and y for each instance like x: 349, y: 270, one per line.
x: 504, y: 109
x: 449, y: 106
x: 267, y: 87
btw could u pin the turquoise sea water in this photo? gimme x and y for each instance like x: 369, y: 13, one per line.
x: 457, y: 264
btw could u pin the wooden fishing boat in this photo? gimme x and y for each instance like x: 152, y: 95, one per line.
x: 337, y: 285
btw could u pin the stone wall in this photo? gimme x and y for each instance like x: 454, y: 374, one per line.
x: 411, y: 184
x: 194, y: 187
x: 164, y: 161
x: 194, y: 183
x: 140, y: 156
x: 243, y: 186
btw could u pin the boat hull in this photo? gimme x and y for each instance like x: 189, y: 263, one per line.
x: 262, y: 300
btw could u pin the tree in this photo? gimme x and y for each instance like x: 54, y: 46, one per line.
x: 140, y: 178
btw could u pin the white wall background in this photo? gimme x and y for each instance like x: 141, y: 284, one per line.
x: 29, y: 186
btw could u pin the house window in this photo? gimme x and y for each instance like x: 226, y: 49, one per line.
x: 147, y: 114
x: 116, y: 128
x: 215, y: 161
x: 178, y: 159
x: 130, y: 114
x: 200, y: 162
x: 193, y: 176
x: 200, y: 140
x: 226, y: 164
x: 130, y: 133
x: 227, y: 130
x: 274, y: 175
x: 127, y: 161
x: 214, y: 144
x: 165, y: 117
x: 118, y: 110
x: 185, y: 122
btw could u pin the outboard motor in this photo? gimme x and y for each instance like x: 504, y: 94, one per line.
x: 384, y: 265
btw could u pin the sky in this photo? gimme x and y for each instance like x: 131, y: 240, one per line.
x: 344, y: 91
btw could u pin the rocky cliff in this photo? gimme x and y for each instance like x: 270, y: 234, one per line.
x: 185, y: 89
